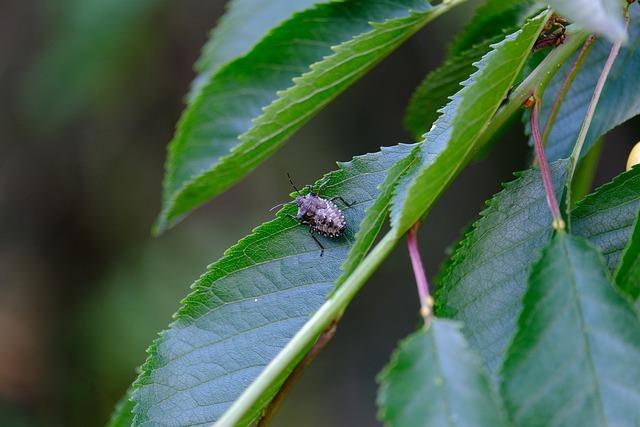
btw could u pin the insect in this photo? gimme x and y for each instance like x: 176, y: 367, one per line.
x: 320, y: 214
x: 553, y: 33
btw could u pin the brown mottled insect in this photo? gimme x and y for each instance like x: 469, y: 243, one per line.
x: 553, y: 33
x: 320, y: 214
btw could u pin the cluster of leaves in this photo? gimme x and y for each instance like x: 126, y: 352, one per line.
x: 541, y: 328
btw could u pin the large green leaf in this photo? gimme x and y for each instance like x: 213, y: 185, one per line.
x: 122, y: 414
x: 599, y: 16
x: 376, y: 214
x: 486, y: 277
x: 451, y: 142
x: 249, y: 304
x: 244, y: 24
x: 606, y: 216
x: 620, y: 99
x: 433, y: 379
x: 440, y: 84
x: 628, y: 274
x: 575, y: 360
x: 490, y: 20
x: 249, y: 107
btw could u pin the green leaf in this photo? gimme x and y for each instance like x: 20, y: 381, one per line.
x: 123, y: 413
x: 376, y: 214
x: 599, y: 16
x: 628, y: 274
x: 607, y: 215
x: 244, y: 24
x: 620, y: 99
x: 248, y: 109
x: 490, y: 24
x: 575, y: 360
x: 491, y: 20
x: 249, y: 304
x: 607, y: 218
x: 434, y: 380
x: 451, y: 142
x: 487, y: 275
x: 440, y: 84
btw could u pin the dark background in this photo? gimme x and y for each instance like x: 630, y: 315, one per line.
x: 90, y: 91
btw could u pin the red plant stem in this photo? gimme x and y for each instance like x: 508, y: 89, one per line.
x: 426, y: 301
x: 558, y: 223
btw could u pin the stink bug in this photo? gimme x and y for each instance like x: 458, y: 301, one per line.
x: 320, y: 214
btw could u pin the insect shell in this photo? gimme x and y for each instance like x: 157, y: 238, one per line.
x: 321, y: 215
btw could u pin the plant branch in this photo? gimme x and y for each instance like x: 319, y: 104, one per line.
x: 573, y: 71
x: 426, y: 301
x: 558, y: 222
x: 330, y: 310
x: 293, y: 378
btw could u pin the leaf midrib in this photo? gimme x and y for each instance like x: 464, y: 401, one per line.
x: 583, y: 328
x: 445, y: 396
x: 319, y: 90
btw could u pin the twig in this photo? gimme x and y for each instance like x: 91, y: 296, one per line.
x: 573, y: 71
x: 426, y: 301
x: 558, y: 223
x: 296, y: 374
x: 595, y: 97
x: 593, y: 103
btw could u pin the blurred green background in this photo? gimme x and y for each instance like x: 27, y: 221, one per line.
x: 90, y: 91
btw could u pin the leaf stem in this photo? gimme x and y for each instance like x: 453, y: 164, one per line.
x: 573, y: 71
x: 535, y: 82
x: 595, y: 97
x: 330, y: 310
x: 426, y: 301
x: 558, y: 222
x: 593, y: 103
x: 276, y: 402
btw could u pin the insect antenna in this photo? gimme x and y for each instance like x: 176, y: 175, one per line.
x: 278, y: 205
x: 292, y: 184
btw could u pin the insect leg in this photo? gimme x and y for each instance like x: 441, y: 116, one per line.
x: 343, y: 201
x: 310, y: 231
x: 317, y: 241
x: 297, y: 220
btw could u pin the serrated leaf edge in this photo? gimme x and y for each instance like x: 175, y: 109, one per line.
x: 395, y: 218
x: 203, y: 285
x: 165, y: 219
